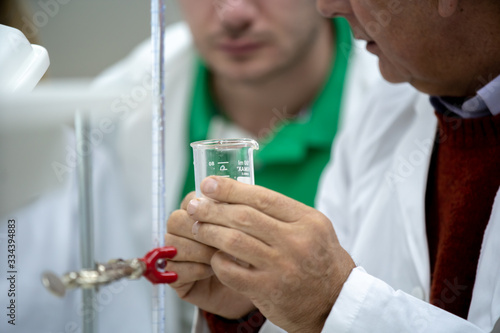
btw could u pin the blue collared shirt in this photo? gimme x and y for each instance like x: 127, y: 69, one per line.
x: 485, y: 103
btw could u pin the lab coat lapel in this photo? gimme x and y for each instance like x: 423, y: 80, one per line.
x: 485, y: 304
x: 414, y: 158
x: 177, y: 102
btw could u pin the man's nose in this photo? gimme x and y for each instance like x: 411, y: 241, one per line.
x: 236, y: 15
x: 331, y: 8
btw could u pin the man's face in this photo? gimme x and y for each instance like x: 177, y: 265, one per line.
x: 411, y: 39
x: 251, y: 40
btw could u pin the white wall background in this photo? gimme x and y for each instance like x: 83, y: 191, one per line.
x: 83, y: 37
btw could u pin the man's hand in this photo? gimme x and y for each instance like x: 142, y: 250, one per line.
x: 283, y: 255
x: 196, y: 281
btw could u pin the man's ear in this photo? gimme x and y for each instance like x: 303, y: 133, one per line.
x: 446, y: 8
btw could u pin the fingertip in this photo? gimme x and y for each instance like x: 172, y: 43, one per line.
x: 192, y: 206
x: 209, y: 185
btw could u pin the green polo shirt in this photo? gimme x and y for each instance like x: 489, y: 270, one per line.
x: 292, y: 157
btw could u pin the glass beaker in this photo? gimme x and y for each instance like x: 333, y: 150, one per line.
x: 231, y: 158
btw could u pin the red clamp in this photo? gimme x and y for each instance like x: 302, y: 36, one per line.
x: 151, y: 260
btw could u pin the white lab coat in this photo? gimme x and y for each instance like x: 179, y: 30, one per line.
x: 374, y: 194
x: 373, y: 191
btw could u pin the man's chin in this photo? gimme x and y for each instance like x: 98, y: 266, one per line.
x: 391, y: 75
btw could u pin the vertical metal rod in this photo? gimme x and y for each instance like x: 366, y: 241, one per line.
x: 86, y: 218
x: 158, y: 25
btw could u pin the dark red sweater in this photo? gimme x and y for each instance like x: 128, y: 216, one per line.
x: 464, y: 178
x: 249, y: 324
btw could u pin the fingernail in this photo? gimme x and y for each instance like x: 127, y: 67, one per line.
x: 192, y: 206
x: 209, y: 185
x: 195, y: 228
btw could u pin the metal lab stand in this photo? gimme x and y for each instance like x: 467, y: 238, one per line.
x: 86, y: 215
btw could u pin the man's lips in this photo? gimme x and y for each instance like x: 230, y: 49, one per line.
x: 362, y: 36
x: 239, y: 47
x: 371, y: 46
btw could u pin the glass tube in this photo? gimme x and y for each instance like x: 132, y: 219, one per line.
x: 158, y: 25
x: 86, y: 220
